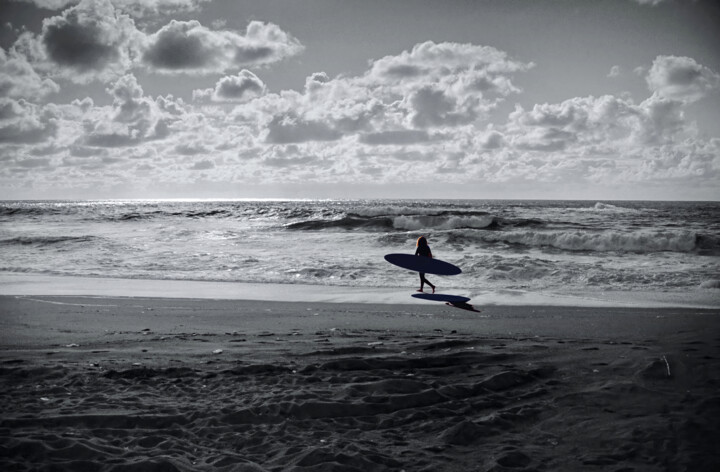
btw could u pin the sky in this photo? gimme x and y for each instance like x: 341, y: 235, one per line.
x: 504, y: 99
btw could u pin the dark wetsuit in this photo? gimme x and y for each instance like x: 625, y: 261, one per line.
x: 425, y: 252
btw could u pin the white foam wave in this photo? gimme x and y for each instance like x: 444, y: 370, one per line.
x: 639, y: 242
x: 714, y: 283
x: 415, y: 222
x: 609, y: 208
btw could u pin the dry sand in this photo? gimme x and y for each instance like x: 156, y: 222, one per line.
x: 179, y: 384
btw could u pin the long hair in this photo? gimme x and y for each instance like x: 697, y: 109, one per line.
x: 422, y: 242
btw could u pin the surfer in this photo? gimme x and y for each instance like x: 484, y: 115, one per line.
x: 423, y: 250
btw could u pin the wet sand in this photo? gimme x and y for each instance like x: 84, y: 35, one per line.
x: 129, y: 383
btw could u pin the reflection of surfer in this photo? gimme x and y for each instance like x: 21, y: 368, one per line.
x: 423, y: 250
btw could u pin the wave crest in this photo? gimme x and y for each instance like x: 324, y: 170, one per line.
x: 606, y: 241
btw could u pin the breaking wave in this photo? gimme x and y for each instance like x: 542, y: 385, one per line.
x: 608, y: 241
x: 398, y: 222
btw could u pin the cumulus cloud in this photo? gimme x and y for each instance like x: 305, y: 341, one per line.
x: 191, y: 148
x: 288, y: 128
x: 446, y: 84
x: 136, y: 8
x: 681, y: 78
x: 89, y: 40
x: 133, y: 118
x: 422, y: 112
x: 235, y: 88
x: 401, y: 99
x: 189, y: 47
x: 432, y: 107
x: 397, y: 137
x: 99, y: 40
x: 24, y: 122
x: 205, y: 164
x: 18, y: 79
x: 598, y: 121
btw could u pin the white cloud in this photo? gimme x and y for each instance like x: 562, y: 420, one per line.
x: 601, y: 120
x: 446, y: 84
x: 90, y: 40
x: 419, y: 116
x: 132, y: 119
x: 400, y: 99
x: 24, y: 122
x: 189, y: 47
x: 397, y: 137
x: 18, y: 79
x: 681, y: 78
x: 205, y: 164
x: 614, y: 72
x: 608, y: 140
x: 284, y: 129
x: 98, y: 40
x: 432, y: 107
x: 136, y: 8
x: 236, y: 88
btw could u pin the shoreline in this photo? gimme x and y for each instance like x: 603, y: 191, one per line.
x: 54, y: 285
x: 98, y: 315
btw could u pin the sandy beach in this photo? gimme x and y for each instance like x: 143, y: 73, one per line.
x: 129, y: 383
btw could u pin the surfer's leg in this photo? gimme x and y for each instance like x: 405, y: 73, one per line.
x: 424, y: 281
x: 431, y: 285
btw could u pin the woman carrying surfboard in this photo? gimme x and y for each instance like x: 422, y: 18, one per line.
x: 423, y: 249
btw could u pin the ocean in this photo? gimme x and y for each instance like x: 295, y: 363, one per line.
x: 557, y: 247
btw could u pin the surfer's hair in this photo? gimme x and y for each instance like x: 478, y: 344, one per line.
x: 422, y: 242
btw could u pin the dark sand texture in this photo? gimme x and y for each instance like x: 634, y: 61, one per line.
x: 120, y: 384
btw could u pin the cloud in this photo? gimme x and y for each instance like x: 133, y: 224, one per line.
x: 446, y: 84
x: 99, y: 40
x: 285, y: 162
x: 18, y: 79
x: 418, y: 116
x: 397, y: 137
x: 237, y: 88
x: 192, y: 148
x: 135, y: 8
x: 432, y: 107
x: 681, y: 78
x: 205, y: 164
x: 614, y: 72
x: 400, y: 99
x: 289, y: 128
x: 189, y: 47
x: 90, y: 40
x: 598, y: 121
x: 478, y: 66
x: 24, y: 122
x: 132, y: 119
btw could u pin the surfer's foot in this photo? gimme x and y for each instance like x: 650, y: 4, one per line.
x: 433, y: 289
x: 420, y: 290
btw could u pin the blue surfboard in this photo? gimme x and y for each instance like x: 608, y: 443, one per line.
x: 423, y: 264
x: 441, y: 297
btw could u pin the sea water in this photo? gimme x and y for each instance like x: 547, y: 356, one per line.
x: 558, y: 247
